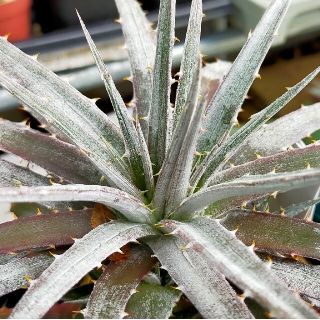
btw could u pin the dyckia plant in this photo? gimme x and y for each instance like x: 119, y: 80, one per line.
x: 189, y: 223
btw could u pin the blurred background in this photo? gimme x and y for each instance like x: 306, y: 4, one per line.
x: 51, y: 29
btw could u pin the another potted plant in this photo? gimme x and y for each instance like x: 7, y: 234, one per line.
x: 15, y: 19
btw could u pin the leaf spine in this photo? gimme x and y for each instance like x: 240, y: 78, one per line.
x: 56, y: 256
x: 179, y: 288
x: 269, y: 262
x: 54, y: 183
x: 244, y: 204
x: 252, y: 246
x: 242, y: 296
x: 94, y: 100
x: 28, y: 278
x: 35, y: 57
x: 123, y: 314
x: 14, y: 216
x: 79, y: 312
x: 234, y: 231
x: 282, y: 211
x: 273, y: 171
x: 133, y: 291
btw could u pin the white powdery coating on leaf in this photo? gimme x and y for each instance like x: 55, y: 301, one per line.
x: 68, y: 111
x: 228, y: 99
x: 118, y: 282
x: 248, y: 185
x: 77, y: 261
x: 199, y: 280
x: 152, y: 301
x: 240, y: 265
x: 13, y: 274
x: 280, y: 134
x: 129, y: 206
x: 304, y: 278
x: 140, y: 41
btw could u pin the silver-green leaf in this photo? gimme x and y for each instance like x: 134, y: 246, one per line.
x: 160, y: 101
x: 198, y: 279
x: 247, y: 185
x: 130, y: 134
x: 224, y: 106
x: 240, y: 265
x: 190, y: 58
x: 68, y: 268
x: 133, y: 209
x: 140, y: 42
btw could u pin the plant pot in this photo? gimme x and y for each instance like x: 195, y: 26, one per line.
x: 15, y: 19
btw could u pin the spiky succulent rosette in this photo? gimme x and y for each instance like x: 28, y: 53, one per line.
x: 176, y: 201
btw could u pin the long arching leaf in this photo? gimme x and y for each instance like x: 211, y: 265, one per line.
x: 229, y: 97
x: 240, y: 265
x: 247, y: 185
x: 45, y: 231
x: 297, y: 159
x: 129, y: 206
x: 70, y: 267
x: 218, y: 158
x: 68, y: 111
x: 280, y: 134
x: 198, y: 279
x: 138, y: 160
x: 46, y: 86
x: 60, y: 158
